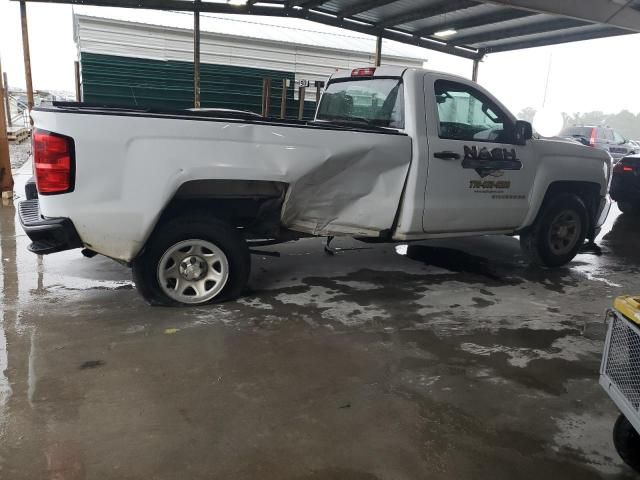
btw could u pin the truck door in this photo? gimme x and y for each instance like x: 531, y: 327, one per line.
x: 478, y: 179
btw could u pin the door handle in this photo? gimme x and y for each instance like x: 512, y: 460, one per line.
x: 447, y: 155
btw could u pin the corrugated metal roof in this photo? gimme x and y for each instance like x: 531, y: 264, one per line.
x: 421, y: 22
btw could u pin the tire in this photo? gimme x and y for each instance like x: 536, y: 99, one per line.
x: 558, y: 233
x: 194, y: 260
x: 627, y: 442
x: 628, y: 208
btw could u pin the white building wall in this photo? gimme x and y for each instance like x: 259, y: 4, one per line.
x: 313, y: 63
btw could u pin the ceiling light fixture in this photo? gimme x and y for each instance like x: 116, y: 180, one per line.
x: 445, y: 33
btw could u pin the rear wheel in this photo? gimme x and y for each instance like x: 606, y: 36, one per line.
x: 192, y: 261
x: 559, y: 232
x: 627, y: 442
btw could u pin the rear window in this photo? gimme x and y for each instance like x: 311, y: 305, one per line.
x: 577, y: 132
x: 377, y: 102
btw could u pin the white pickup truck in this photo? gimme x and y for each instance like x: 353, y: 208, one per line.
x: 393, y: 155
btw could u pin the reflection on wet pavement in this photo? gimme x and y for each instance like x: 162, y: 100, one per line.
x: 445, y: 360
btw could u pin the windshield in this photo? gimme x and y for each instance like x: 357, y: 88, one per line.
x: 377, y: 102
x: 576, y: 132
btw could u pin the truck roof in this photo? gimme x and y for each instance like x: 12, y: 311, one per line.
x: 390, y: 71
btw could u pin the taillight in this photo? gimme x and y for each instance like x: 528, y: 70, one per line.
x: 620, y: 168
x: 363, y: 72
x: 53, y: 162
x: 592, y: 140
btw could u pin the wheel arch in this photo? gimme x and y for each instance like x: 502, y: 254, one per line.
x: 253, y: 205
x: 588, y: 192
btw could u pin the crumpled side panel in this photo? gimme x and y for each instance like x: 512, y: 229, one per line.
x: 353, y: 191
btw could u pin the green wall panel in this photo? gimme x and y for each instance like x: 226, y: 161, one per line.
x: 127, y: 81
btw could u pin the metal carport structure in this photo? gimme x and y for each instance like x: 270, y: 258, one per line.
x: 466, y: 28
x: 476, y: 27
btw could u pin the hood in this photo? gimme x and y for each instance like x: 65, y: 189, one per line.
x: 566, y: 147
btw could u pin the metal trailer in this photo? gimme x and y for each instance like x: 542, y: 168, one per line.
x: 620, y: 375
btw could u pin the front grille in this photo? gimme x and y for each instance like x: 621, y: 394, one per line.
x: 622, y: 356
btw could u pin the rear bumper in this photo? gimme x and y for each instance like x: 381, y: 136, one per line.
x: 49, y: 235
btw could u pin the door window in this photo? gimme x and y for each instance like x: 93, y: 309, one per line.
x: 466, y: 114
x: 617, y: 138
x: 608, y: 135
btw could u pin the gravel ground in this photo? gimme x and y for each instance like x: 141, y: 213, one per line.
x: 19, y: 153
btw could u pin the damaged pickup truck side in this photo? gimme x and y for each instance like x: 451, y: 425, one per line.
x: 393, y: 155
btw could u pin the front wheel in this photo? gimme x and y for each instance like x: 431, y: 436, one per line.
x: 192, y: 261
x: 559, y: 232
x: 627, y: 442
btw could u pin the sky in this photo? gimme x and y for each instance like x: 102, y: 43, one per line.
x: 577, y: 77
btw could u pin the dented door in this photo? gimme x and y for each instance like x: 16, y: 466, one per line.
x: 353, y: 186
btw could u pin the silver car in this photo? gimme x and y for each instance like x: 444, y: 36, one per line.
x: 604, y: 138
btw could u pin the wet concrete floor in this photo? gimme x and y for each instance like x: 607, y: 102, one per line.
x: 439, y: 360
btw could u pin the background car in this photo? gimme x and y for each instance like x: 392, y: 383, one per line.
x: 604, y: 138
x: 636, y: 143
x: 625, y: 184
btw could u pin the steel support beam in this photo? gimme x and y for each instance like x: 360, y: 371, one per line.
x: 378, y: 59
x: 302, y: 95
x: 26, y: 53
x: 196, y: 54
x: 476, y: 66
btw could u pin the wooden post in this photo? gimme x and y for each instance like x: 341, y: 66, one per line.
x: 196, y: 54
x: 319, y: 86
x: 6, y: 178
x: 302, y: 92
x: 378, y: 59
x: 266, y: 96
x: 283, y: 99
x: 27, y: 53
x: 76, y: 65
x: 6, y: 99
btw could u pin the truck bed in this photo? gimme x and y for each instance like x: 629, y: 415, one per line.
x: 208, y: 115
x: 129, y: 164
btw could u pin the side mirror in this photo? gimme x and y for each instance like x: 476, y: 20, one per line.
x: 522, y: 132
